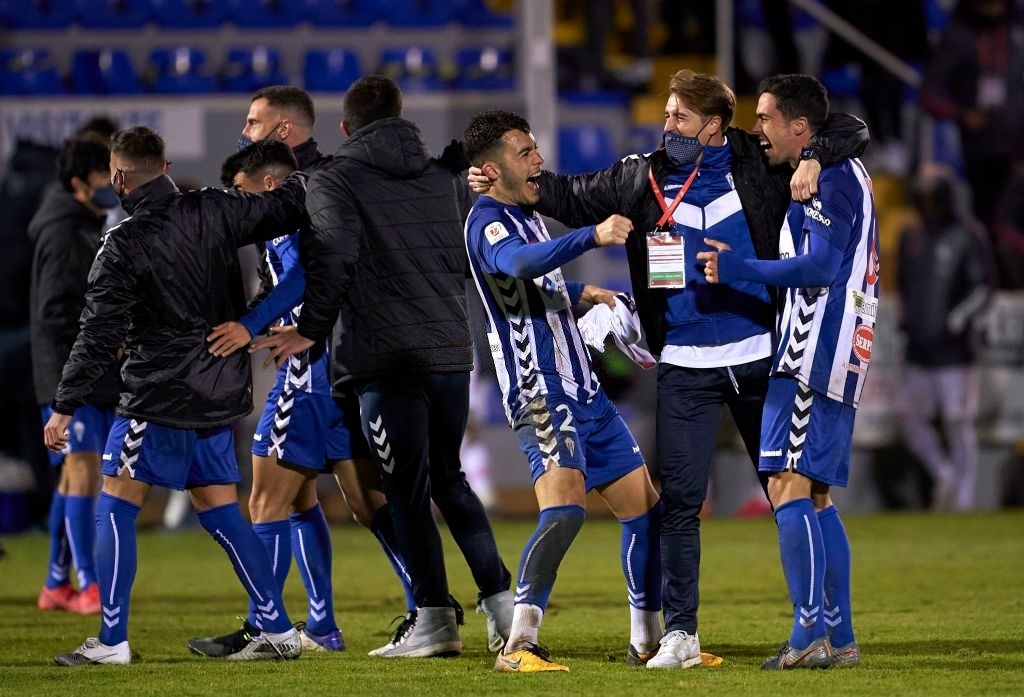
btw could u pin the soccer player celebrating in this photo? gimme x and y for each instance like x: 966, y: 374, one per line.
x: 829, y: 264
x: 570, y: 432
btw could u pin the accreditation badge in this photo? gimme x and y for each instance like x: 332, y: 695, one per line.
x: 666, y: 267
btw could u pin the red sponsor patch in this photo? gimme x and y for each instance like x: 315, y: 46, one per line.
x: 863, y: 336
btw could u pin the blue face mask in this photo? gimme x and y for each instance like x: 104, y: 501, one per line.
x: 684, y: 150
x: 105, y: 198
x: 245, y: 141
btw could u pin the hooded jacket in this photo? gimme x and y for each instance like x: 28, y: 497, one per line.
x: 66, y: 235
x: 386, y: 258
x: 162, y: 280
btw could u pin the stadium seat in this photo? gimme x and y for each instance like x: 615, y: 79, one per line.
x: 188, y: 14
x: 331, y: 70
x: 419, y: 13
x: 414, y: 68
x: 488, y: 68
x: 477, y: 13
x: 584, y: 149
x: 113, y: 14
x: 249, y: 69
x: 344, y: 13
x: 179, y: 70
x: 28, y: 71
x: 37, y: 14
x: 271, y: 14
x: 104, y: 71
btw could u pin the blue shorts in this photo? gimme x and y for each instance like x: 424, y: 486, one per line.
x: 806, y: 432
x: 175, y: 458
x: 591, y: 437
x: 307, y: 430
x: 87, y: 432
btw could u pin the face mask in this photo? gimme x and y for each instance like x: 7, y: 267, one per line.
x: 245, y: 141
x: 684, y: 150
x: 104, y: 197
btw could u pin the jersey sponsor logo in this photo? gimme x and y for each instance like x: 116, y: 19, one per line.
x: 871, y: 275
x: 863, y: 306
x: 495, y: 232
x: 107, y: 457
x: 860, y: 370
x: 863, y: 337
x: 813, y: 212
x: 771, y: 453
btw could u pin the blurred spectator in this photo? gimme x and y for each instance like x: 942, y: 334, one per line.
x: 976, y: 78
x: 592, y: 71
x: 99, y: 128
x: 690, y: 25
x: 31, y: 169
x: 944, y: 279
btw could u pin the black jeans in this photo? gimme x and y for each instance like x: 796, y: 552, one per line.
x: 414, y: 426
x: 690, y: 402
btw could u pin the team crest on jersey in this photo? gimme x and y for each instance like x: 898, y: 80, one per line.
x: 495, y: 232
x: 863, y: 337
x: 813, y: 212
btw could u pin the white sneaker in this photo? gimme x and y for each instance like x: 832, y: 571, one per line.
x: 498, y: 609
x: 284, y: 645
x: 93, y: 651
x: 678, y: 650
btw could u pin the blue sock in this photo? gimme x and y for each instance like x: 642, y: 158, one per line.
x: 641, y: 559
x: 311, y: 545
x: 60, y: 551
x: 250, y: 561
x: 837, y: 577
x: 556, y: 529
x: 277, y: 540
x: 803, y: 563
x: 383, y: 528
x: 80, y: 518
x: 116, y: 563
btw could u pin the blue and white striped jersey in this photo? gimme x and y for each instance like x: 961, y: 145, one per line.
x: 535, y: 343
x: 298, y: 373
x: 826, y: 332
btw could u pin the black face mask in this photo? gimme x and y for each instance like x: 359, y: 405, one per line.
x: 245, y: 141
x: 684, y: 150
x: 104, y: 197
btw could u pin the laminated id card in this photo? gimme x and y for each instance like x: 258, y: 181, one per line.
x: 666, y: 267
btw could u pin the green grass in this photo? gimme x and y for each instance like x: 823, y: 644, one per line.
x: 938, y: 601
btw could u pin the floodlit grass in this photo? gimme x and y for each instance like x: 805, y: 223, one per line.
x: 938, y: 602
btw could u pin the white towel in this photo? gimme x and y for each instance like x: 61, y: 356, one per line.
x: 622, y: 323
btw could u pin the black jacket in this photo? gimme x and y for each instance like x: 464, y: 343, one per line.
x: 387, y: 251
x: 624, y: 188
x: 66, y: 235
x: 162, y: 280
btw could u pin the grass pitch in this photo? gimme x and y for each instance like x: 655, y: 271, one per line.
x: 938, y: 610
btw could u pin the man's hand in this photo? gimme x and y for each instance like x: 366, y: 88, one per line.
x: 227, y: 338
x: 478, y: 181
x: 595, y: 294
x: 613, y: 231
x: 804, y: 182
x: 283, y: 342
x: 710, y: 259
x: 55, y: 432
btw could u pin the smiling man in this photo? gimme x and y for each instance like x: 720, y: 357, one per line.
x: 572, y: 435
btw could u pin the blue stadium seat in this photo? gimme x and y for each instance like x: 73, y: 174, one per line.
x: 344, y: 13
x: 419, y: 13
x: 414, y: 68
x: 488, y: 68
x: 271, y: 14
x: 331, y: 70
x: 477, y: 13
x: 113, y: 14
x: 104, y: 71
x: 37, y: 14
x: 189, y: 14
x: 249, y: 69
x: 585, y: 148
x: 180, y: 70
x: 28, y: 71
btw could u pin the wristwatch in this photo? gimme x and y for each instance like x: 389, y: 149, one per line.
x: 807, y: 154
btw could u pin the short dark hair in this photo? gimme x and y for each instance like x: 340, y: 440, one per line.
x: 99, y: 128
x: 80, y: 158
x: 370, y: 99
x: 482, y: 138
x: 142, y: 146
x: 798, y: 95
x: 288, y: 97
x: 270, y: 156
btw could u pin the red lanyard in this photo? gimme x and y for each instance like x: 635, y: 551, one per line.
x: 667, y: 211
